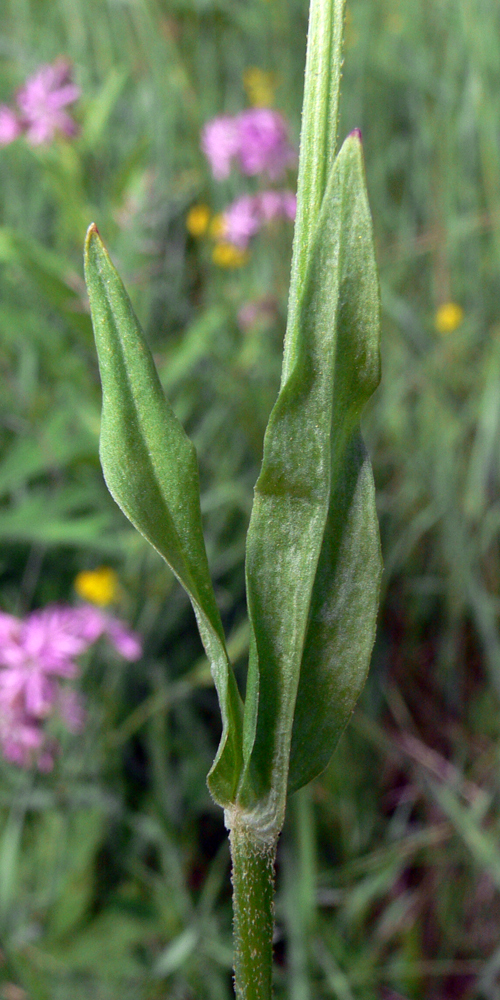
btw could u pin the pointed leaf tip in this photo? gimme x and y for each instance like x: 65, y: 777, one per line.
x: 91, y: 231
x: 150, y: 469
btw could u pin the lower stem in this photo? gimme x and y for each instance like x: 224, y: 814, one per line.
x: 253, y: 895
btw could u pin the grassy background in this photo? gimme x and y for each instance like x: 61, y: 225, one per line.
x: 114, y: 876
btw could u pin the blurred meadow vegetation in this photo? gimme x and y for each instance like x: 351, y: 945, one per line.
x: 114, y: 869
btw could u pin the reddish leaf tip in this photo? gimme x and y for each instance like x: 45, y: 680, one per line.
x: 91, y: 231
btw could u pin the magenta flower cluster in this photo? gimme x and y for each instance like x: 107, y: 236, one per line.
x: 37, y: 657
x: 248, y: 214
x: 256, y: 140
x: 40, y: 106
x: 258, y: 143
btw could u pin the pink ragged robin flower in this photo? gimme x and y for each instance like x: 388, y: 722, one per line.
x: 245, y: 216
x: 10, y: 126
x: 241, y: 221
x: 256, y: 140
x: 265, y: 147
x: 37, y: 657
x: 42, y: 100
x: 220, y: 142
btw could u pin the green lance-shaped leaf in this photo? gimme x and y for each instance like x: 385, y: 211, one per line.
x: 313, y: 553
x: 151, y: 471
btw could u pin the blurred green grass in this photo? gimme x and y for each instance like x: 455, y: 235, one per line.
x: 114, y: 869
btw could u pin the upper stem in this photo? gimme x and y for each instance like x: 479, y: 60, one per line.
x: 318, y: 141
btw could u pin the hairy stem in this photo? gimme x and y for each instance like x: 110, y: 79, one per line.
x: 253, y: 893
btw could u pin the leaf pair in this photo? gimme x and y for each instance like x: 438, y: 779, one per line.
x: 313, y: 555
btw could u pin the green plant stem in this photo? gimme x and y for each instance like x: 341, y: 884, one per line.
x: 253, y: 893
x: 318, y: 141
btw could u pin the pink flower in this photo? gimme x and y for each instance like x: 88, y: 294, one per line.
x: 242, y: 220
x: 126, y: 643
x: 264, y: 143
x: 41, y: 101
x: 220, y: 141
x: 36, y: 655
x: 248, y: 214
x: 10, y: 126
x: 275, y: 204
x: 21, y: 739
x: 270, y: 205
x: 257, y: 139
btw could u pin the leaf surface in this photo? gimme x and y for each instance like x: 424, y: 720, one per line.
x: 150, y: 469
x: 313, y: 524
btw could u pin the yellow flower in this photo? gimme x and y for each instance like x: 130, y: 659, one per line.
x: 197, y: 220
x: 448, y: 317
x: 97, y: 585
x: 259, y: 87
x: 217, y: 227
x: 227, y: 255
